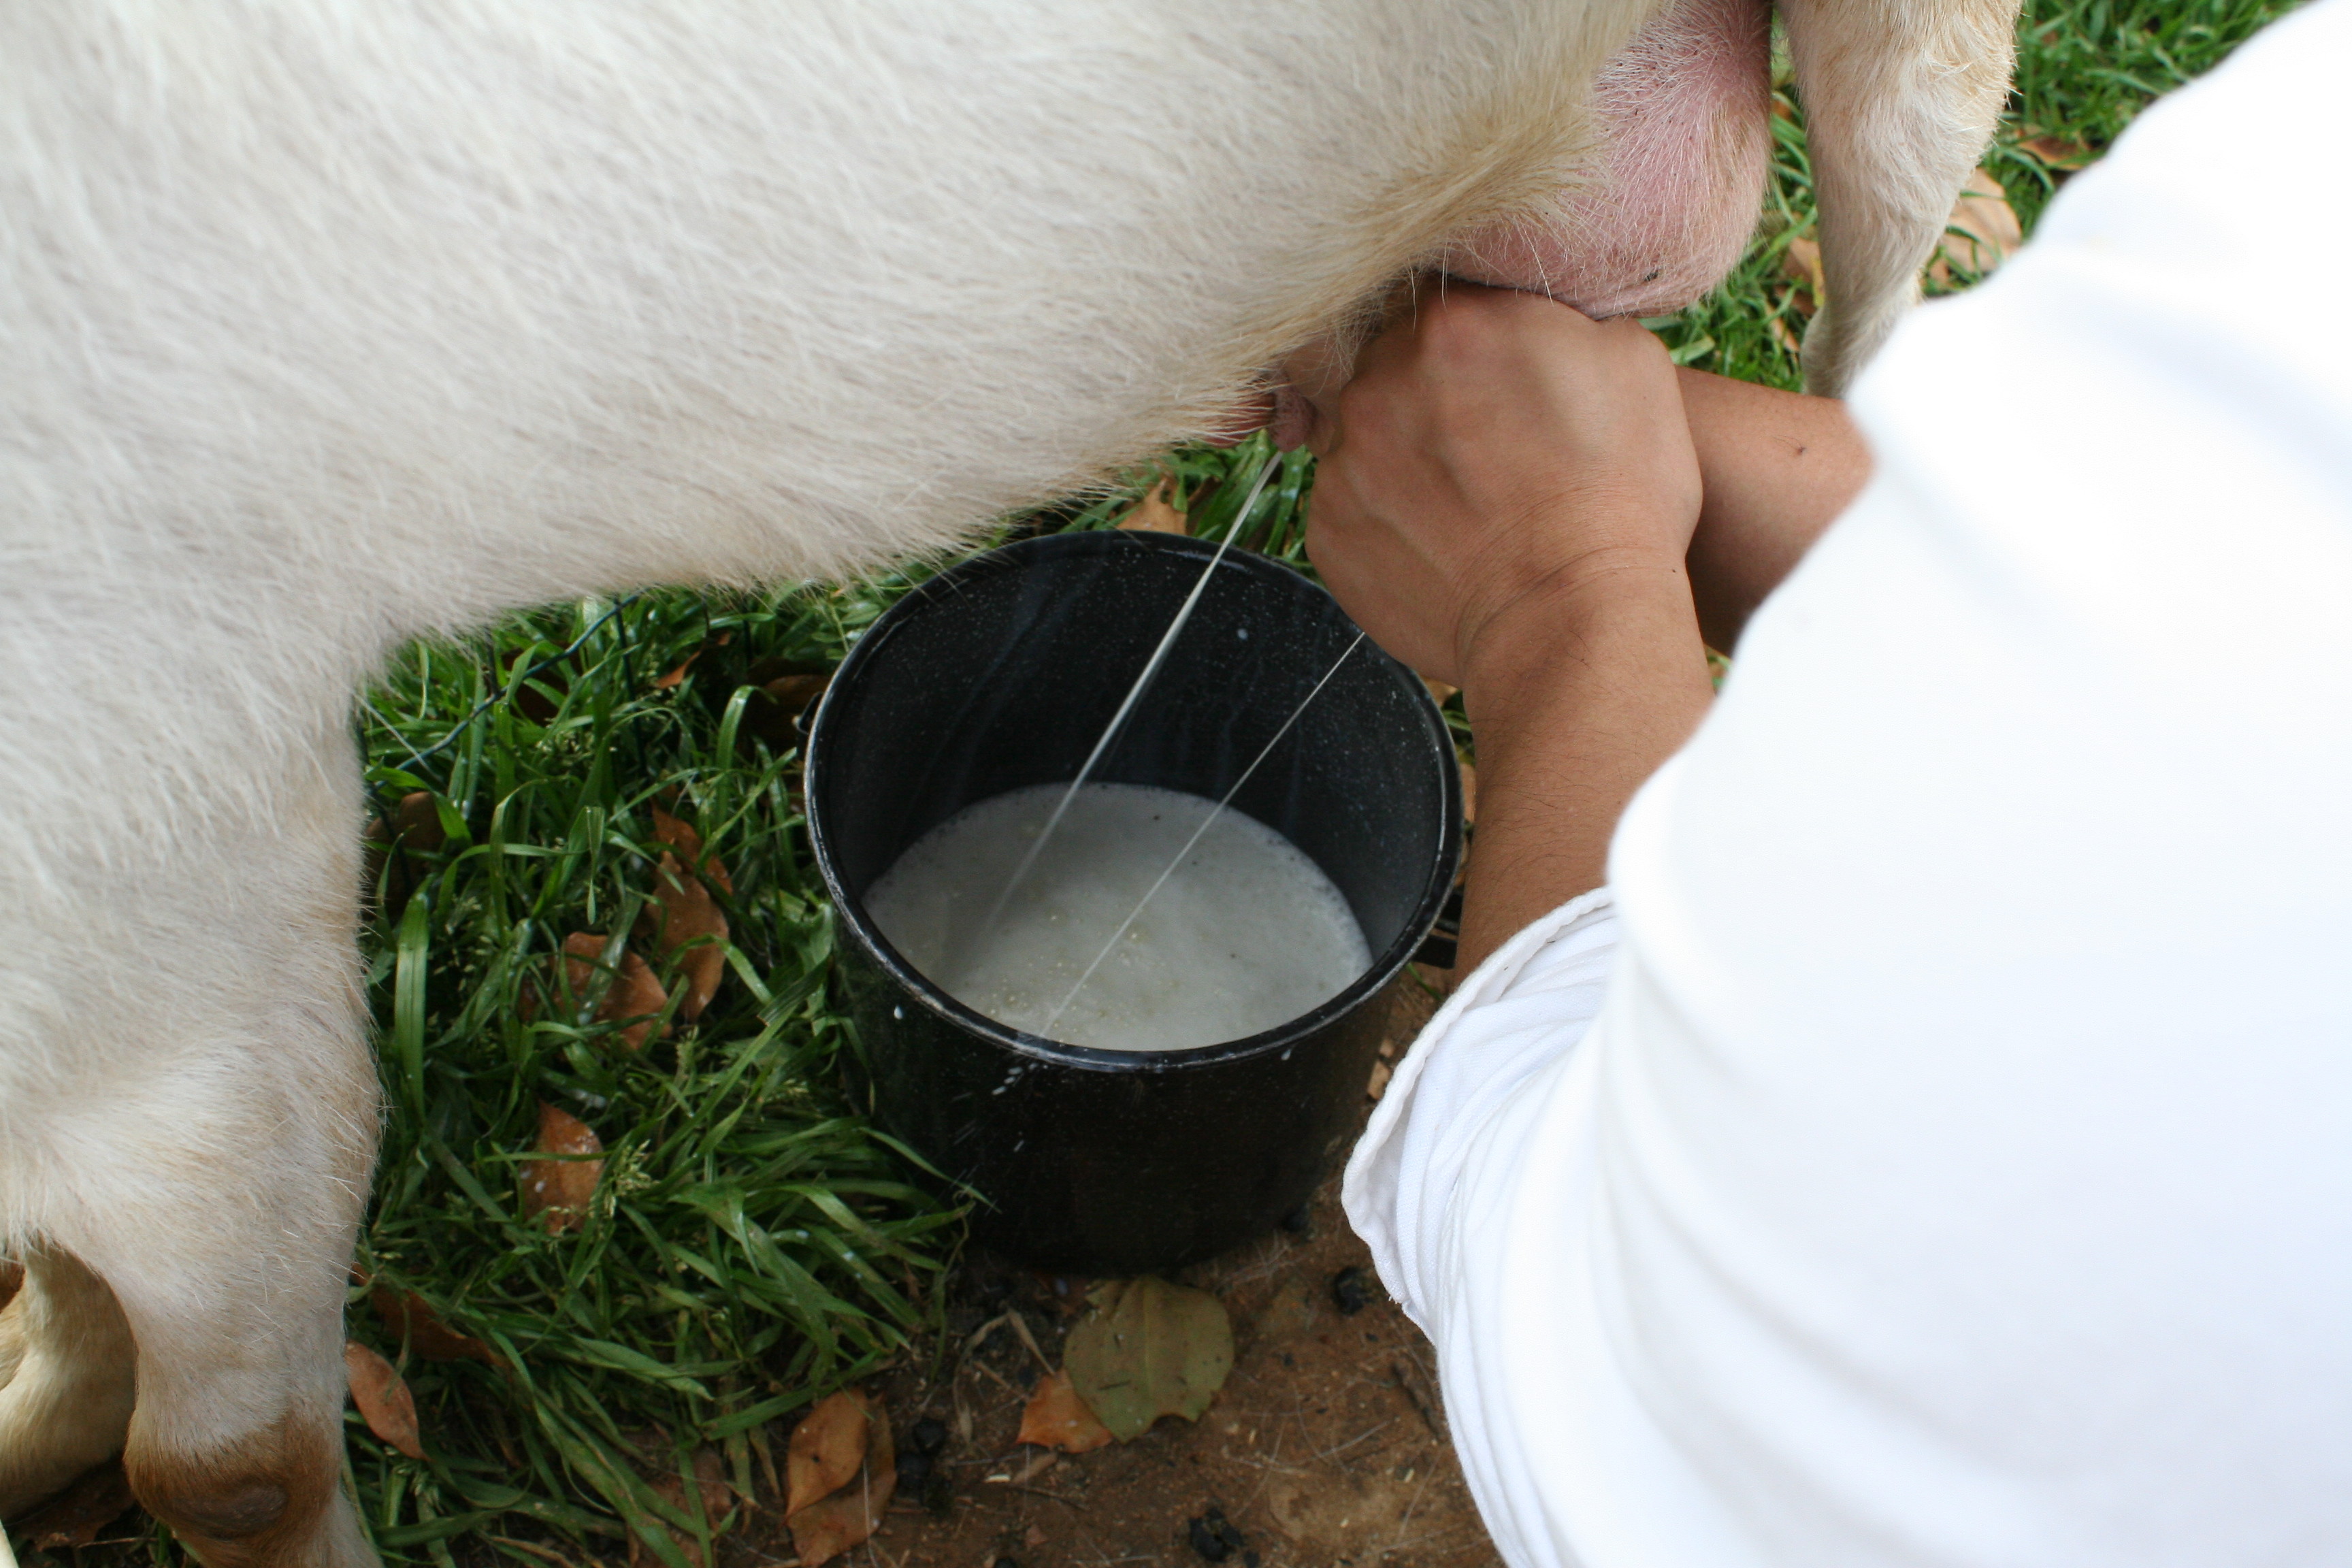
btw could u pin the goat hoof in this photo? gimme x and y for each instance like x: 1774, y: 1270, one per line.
x: 227, y: 1515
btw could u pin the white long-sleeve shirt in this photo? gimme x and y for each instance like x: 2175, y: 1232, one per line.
x: 1935, y: 1147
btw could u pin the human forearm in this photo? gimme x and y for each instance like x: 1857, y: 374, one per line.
x: 1777, y: 467
x: 1578, y: 696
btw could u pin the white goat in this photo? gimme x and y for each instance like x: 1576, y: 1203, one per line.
x: 327, y: 325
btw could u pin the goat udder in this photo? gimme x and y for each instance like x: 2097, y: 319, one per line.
x: 1685, y: 115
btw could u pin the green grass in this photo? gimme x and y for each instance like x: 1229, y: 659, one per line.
x: 752, y: 1243
x: 755, y: 1243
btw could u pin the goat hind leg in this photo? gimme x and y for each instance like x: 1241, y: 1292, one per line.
x: 1901, y: 97
x: 233, y: 1288
x: 65, y: 1355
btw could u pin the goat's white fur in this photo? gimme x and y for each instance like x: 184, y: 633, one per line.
x: 328, y: 325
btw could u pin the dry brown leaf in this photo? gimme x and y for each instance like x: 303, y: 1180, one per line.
x: 826, y: 1528
x: 1784, y: 337
x: 383, y: 1399
x: 683, y: 911
x: 794, y: 693
x: 826, y: 1448
x: 1377, y: 1084
x: 1056, y: 1417
x: 1438, y: 691
x: 407, y: 1316
x: 671, y: 833
x: 711, y: 1481
x: 665, y: 682
x: 532, y: 702
x: 710, y: 1485
x: 1983, y: 230
x: 1155, y: 513
x: 415, y: 823
x: 635, y: 992
x: 74, y: 1515
x: 671, y: 1490
x: 1803, y: 263
x: 2057, y: 152
x: 782, y: 689
x: 558, y: 1190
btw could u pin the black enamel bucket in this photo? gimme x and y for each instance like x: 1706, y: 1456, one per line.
x: 1001, y: 673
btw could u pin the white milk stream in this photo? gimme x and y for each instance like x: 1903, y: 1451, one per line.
x: 1246, y: 934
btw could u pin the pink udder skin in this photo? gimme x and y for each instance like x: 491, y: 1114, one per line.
x: 1684, y: 112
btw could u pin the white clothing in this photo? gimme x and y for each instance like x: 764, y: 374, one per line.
x: 1958, y: 1172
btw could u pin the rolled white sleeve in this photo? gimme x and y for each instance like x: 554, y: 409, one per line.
x: 1522, y: 1011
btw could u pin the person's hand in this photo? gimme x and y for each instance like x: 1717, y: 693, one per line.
x: 1493, y: 451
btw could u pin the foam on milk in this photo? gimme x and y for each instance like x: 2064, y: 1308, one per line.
x: 1248, y: 934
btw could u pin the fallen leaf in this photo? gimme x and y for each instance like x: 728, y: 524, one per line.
x: 558, y: 1190
x: 12, y: 1279
x: 1378, y: 1083
x: 665, y: 682
x: 2057, y: 152
x: 827, y: 1449
x: 673, y: 834
x: 794, y: 693
x: 1438, y: 691
x: 408, y: 1316
x: 532, y: 703
x: 830, y: 1526
x: 1056, y: 1417
x: 1981, y: 233
x: 381, y: 1397
x: 711, y: 1481
x: 1784, y: 337
x: 781, y: 691
x: 711, y: 1487
x: 1155, y: 513
x: 414, y: 825
x: 73, y: 1519
x: 1803, y: 264
x: 688, y: 913
x: 1151, y: 1349
x: 635, y: 992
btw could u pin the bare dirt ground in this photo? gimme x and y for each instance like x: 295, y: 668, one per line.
x: 1326, y: 1445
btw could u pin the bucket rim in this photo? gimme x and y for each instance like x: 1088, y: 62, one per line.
x: 937, y: 592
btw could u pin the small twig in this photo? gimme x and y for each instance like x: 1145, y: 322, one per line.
x: 1021, y: 1328
x: 544, y: 1553
x: 1001, y: 1381
x: 1332, y: 1453
x: 1410, y: 1507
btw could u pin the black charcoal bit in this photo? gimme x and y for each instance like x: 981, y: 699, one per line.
x: 928, y: 1437
x: 1205, y: 1541
x: 1351, y: 1290
x: 914, y: 1470
x: 1296, y: 1221
x: 1213, y: 1536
